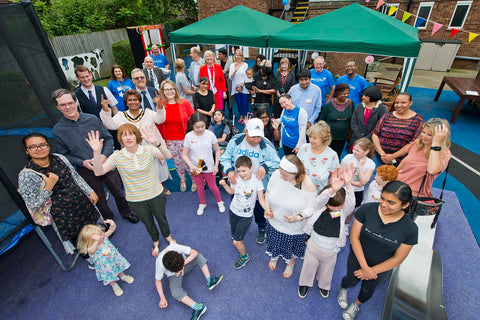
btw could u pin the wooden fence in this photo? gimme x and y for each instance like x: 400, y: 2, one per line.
x: 87, y: 42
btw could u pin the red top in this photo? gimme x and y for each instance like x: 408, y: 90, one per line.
x: 176, y: 118
x: 219, y: 77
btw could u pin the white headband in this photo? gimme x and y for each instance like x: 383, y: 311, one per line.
x: 288, y: 166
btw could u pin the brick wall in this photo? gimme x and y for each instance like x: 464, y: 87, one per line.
x: 442, y: 12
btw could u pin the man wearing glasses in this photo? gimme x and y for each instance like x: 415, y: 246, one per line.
x: 356, y: 82
x: 69, y: 135
x: 148, y: 93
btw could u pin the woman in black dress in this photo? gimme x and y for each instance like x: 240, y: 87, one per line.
x: 204, y: 100
x: 51, y: 176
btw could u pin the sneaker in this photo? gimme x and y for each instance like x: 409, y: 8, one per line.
x: 128, y: 279
x: 91, y: 266
x: 342, y: 298
x: 198, y: 313
x: 241, y: 262
x: 213, y: 282
x: 261, y: 236
x: 302, y: 291
x: 221, y: 207
x: 117, y: 290
x: 324, y: 293
x: 201, y: 209
x: 351, y: 312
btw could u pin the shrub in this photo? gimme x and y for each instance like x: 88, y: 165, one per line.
x: 122, y: 52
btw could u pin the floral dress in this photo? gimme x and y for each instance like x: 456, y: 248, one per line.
x: 108, y: 262
x: 318, y: 166
x: 71, y: 208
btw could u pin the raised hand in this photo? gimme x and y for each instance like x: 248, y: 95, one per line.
x: 336, y: 181
x: 156, y: 100
x: 149, y: 135
x: 440, y: 133
x: 105, y: 103
x: 348, y: 174
x: 94, y: 141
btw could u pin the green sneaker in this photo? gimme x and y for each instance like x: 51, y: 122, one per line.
x: 213, y: 282
x: 261, y: 236
x: 241, y: 262
x: 198, y: 313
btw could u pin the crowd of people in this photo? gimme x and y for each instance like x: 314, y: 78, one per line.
x: 332, y: 137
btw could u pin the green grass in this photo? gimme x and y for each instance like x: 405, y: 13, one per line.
x: 102, y: 82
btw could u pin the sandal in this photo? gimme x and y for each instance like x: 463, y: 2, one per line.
x: 183, y: 186
x: 155, y: 251
x: 272, y: 264
x: 288, y: 271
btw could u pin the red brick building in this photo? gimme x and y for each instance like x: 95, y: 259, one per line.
x: 464, y: 15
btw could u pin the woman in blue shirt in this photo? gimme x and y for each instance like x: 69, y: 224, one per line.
x: 119, y: 85
x: 294, y: 124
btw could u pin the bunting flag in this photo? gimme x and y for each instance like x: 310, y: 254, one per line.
x: 436, y: 27
x: 392, y: 10
x: 471, y: 36
x: 419, y: 22
x: 454, y: 32
x: 367, y: 1
x: 406, y: 15
x: 380, y: 3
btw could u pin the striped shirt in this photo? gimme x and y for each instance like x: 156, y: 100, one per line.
x: 138, y: 173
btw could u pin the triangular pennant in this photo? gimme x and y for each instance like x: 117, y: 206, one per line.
x: 471, y: 36
x: 392, y: 10
x: 454, y: 32
x: 406, y: 15
x: 436, y: 26
x: 380, y: 3
x: 419, y: 22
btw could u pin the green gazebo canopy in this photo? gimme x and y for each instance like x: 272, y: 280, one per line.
x: 239, y: 25
x: 353, y: 28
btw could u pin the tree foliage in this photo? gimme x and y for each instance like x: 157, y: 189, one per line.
x: 64, y: 17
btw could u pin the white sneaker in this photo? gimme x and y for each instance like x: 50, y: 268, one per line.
x: 201, y: 209
x: 342, y: 298
x: 221, y: 207
x: 351, y: 312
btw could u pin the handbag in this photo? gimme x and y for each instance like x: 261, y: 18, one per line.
x: 426, y: 206
x: 41, y: 216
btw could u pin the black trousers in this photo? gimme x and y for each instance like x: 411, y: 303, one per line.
x: 114, y: 184
x: 368, y: 286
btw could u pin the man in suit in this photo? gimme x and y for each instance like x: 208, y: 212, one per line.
x: 153, y: 74
x: 90, y: 97
x: 149, y: 94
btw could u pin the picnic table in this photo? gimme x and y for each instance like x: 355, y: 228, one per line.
x: 465, y: 88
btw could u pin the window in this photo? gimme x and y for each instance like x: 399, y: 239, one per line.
x: 386, y: 9
x: 424, y: 11
x: 460, y: 14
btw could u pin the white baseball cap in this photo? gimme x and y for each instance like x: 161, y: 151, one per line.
x: 255, y: 127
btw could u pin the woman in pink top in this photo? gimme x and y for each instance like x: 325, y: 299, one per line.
x: 429, y: 153
x: 177, y: 113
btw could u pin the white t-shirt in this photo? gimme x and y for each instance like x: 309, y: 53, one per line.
x: 200, y: 147
x: 245, y: 196
x: 253, y: 153
x: 369, y: 164
x: 160, y: 269
x: 373, y: 193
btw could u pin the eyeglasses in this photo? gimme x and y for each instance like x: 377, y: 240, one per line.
x: 41, y: 146
x: 139, y: 78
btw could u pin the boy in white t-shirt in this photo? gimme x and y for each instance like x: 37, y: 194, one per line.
x: 174, y: 262
x: 245, y: 194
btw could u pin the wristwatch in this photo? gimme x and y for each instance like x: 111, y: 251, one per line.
x: 437, y: 148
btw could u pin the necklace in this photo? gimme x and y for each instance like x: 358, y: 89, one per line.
x: 137, y: 118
